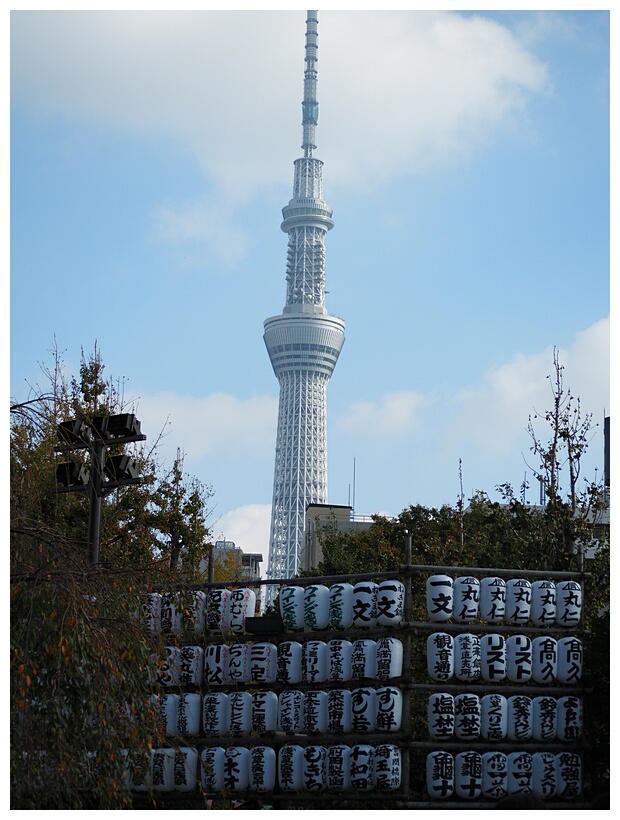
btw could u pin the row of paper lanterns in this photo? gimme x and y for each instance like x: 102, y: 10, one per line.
x: 493, y: 775
x: 494, y: 658
x: 258, y: 769
x: 468, y: 716
x: 215, y: 714
x: 220, y: 610
x: 493, y: 600
x: 342, y: 605
x: 288, y: 662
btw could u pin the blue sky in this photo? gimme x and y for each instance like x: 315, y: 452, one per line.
x: 466, y: 161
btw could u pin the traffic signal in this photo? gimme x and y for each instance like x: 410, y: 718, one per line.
x: 75, y: 433
x: 72, y: 474
x: 121, y: 468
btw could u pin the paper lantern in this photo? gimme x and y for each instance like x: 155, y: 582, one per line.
x: 217, y: 605
x: 493, y: 657
x: 466, y: 591
x: 467, y: 716
x: 568, y: 775
x: 362, y: 770
x: 263, y: 764
x: 167, y: 707
x: 162, y: 770
x: 542, y: 609
x: 263, y: 662
x: 467, y: 657
x: 264, y: 712
x: 519, y: 772
x: 315, y: 712
x: 365, y: 603
x: 216, y: 666
x: 439, y: 597
x: 492, y: 605
x: 212, y: 769
x: 171, y: 614
x: 543, y: 775
x: 197, y: 607
x: 151, y: 612
x: 314, y: 768
x: 494, y: 775
x: 316, y: 606
x: 364, y: 659
x: 290, y: 711
x: 292, y: 607
x: 339, y: 768
x: 241, y: 605
x: 170, y: 669
x: 518, y: 600
x: 519, y: 723
x: 341, y: 605
x: 544, y: 718
x: 389, y: 708
x: 363, y: 709
x: 568, y: 605
x: 493, y: 717
x: 569, y: 712
x: 191, y: 665
x: 239, y: 663
x: 215, y: 714
x: 339, y: 660
x: 339, y: 711
x: 390, y: 603
x: 468, y: 775
x: 239, y: 713
x: 519, y: 658
x: 291, y: 768
x: 237, y: 769
x: 544, y: 659
x: 387, y: 767
x: 289, y: 662
x: 570, y: 660
x: 314, y: 662
x: 389, y: 652
x: 440, y: 775
x: 190, y: 707
x: 440, y: 656
x: 440, y: 716
x: 185, y: 769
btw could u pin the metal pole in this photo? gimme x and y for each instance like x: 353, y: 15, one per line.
x: 95, y: 499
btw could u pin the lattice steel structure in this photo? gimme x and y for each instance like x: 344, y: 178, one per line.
x: 303, y: 343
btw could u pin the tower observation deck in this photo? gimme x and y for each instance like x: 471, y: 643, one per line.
x: 303, y: 343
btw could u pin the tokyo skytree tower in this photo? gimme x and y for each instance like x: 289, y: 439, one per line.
x: 303, y: 343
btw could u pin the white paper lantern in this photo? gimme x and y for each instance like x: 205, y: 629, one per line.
x: 389, y: 708
x: 569, y: 713
x: 339, y: 660
x: 570, y: 660
x: 467, y: 657
x: 241, y: 605
x: 292, y: 607
x: 362, y: 770
x: 339, y: 711
x: 519, y: 770
x: 390, y: 603
x: 519, y: 658
x: 542, y: 609
x: 264, y: 712
x: 315, y: 768
x: 197, y: 607
x: 315, y: 712
x: 192, y: 665
x: 215, y: 714
x: 291, y: 768
x: 518, y: 600
x: 263, y: 662
x: 316, y: 606
x: 290, y: 711
x: 162, y: 770
x: 440, y: 656
x: 217, y: 605
x: 171, y: 614
x: 151, y: 611
x: 439, y: 597
x: 341, y: 605
x: 339, y: 767
x: 363, y: 709
x: 216, y: 664
x: 492, y: 606
x: 239, y: 663
x: 519, y: 725
x: 543, y: 775
x: 544, y: 659
x: 440, y: 775
x: 212, y: 769
x: 170, y: 670
x: 364, y: 659
x: 387, y: 767
x: 568, y: 775
x: 167, y: 707
x: 494, y: 775
x: 263, y: 763
x: 440, y: 715
x: 568, y: 606
x: 493, y: 717
x: 389, y: 652
x: 466, y: 599
x: 237, y: 769
x: 493, y: 657
x: 239, y: 713
x: 190, y: 707
x: 185, y: 769
x: 289, y: 662
x: 544, y: 718
x: 314, y: 662
x: 468, y: 775
x: 365, y: 603
x: 467, y: 716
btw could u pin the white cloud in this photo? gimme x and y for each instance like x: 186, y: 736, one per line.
x: 395, y: 414
x: 248, y: 526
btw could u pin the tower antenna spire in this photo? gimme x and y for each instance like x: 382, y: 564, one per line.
x: 310, y: 105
